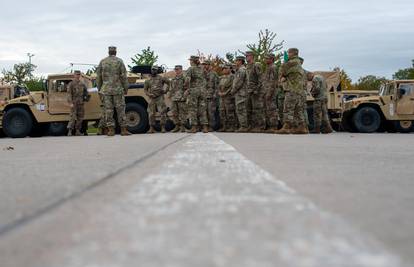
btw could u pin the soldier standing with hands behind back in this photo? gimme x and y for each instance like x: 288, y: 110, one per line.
x: 112, y: 82
x: 239, y: 91
x: 212, y: 82
x: 77, y: 95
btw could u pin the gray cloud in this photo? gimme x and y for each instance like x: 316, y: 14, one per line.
x: 364, y: 37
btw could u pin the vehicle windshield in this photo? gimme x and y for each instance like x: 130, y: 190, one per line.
x: 382, y: 90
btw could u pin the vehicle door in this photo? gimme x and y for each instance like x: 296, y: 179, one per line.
x: 58, y: 97
x: 405, y: 99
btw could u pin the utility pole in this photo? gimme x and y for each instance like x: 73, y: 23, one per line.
x: 30, y: 57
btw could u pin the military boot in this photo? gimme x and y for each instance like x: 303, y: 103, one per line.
x: 286, y: 129
x: 271, y: 130
x: 182, y: 129
x: 242, y: 130
x: 327, y: 129
x: 205, y: 129
x: 151, y: 130
x: 78, y: 132
x: 316, y: 129
x: 124, y: 131
x: 301, y: 129
x: 194, y: 129
x: 104, y: 130
x: 222, y: 128
x: 111, y: 131
x: 163, y: 129
x: 176, y: 128
x: 70, y: 133
x: 229, y: 130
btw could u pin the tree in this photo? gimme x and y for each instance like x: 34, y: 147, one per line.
x: 146, y: 57
x: 370, y: 82
x: 266, y: 45
x: 91, y: 71
x: 346, y: 81
x: 20, y: 73
x: 35, y: 84
x: 405, y: 74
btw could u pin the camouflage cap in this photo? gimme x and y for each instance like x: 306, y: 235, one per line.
x: 206, y: 62
x: 77, y: 72
x: 194, y: 58
x: 241, y: 58
x: 112, y: 48
x: 293, y: 50
x: 178, y: 67
x: 249, y: 53
x: 270, y: 55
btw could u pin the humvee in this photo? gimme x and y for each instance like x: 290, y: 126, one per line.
x: 10, y: 91
x: 336, y: 98
x: 392, y: 110
x: 47, y: 112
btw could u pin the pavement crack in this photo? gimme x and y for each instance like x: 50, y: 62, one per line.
x: 48, y: 208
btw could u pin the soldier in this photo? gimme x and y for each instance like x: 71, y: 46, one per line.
x: 77, y: 95
x: 257, y: 118
x: 112, y: 82
x: 292, y: 77
x: 239, y: 91
x: 320, y: 105
x: 270, y: 84
x: 196, y: 104
x: 176, y: 93
x: 212, y: 81
x: 227, y: 105
x: 154, y: 89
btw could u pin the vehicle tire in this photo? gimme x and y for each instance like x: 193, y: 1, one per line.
x: 137, y: 118
x: 17, y: 123
x: 169, y: 125
x: 404, y: 126
x: 57, y: 129
x: 367, y: 120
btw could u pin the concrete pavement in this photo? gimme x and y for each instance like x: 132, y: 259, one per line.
x: 194, y: 200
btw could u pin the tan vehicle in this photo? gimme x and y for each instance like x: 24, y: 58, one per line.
x: 47, y: 112
x: 392, y: 110
x: 10, y: 91
x: 336, y: 98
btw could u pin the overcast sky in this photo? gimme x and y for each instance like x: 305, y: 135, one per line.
x: 361, y: 36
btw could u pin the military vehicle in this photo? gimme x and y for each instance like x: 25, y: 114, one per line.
x: 392, y: 110
x: 336, y: 98
x: 47, y: 112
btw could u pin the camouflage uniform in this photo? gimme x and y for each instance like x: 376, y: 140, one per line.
x: 196, y: 103
x: 154, y: 89
x: 305, y: 94
x: 239, y: 90
x: 76, y: 94
x: 270, y: 84
x: 212, y: 81
x: 293, y: 106
x: 178, y: 108
x: 257, y: 118
x: 227, y: 103
x: 113, y: 85
x: 320, y: 109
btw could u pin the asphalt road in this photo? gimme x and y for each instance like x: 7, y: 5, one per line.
x: 207, y: 200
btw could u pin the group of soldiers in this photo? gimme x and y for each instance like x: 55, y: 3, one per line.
x: 249, y: 98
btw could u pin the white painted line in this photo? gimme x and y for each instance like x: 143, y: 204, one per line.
x: 210, y: 206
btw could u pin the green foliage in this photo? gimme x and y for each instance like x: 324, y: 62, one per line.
x: 20, y: 73
x: 346, y: 81
x: 35, y: 84
x: 369, y: 82
x: 91, y: 71
x: 405, y: 74
x: 266, y: 44
x: 231, y: 57
x: 146, y: 57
